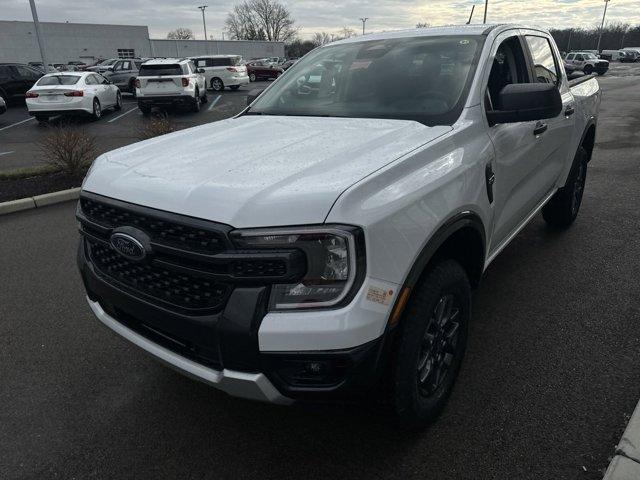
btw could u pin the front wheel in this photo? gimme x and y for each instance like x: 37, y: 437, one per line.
x: 431, y: 344
x: 563, y: 208
x: 588, y: 70
x: 217, y: 84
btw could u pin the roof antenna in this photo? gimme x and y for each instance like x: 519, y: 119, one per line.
x: 471, y: 16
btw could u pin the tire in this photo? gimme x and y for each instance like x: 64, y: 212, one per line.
x: 234, y: 87
x: 195, y: 107
x: 132, y: 87
x: 426, y: 359
x: 204, y: 98
x: 145, y: 110
x: 562, y: 210
x: 252, y: 77
x: 588, y: 70
x: 118, y: 105
x: 97, y: 110
x: 217, y: 84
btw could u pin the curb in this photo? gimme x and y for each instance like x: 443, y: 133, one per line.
x: 626, y: 464
x: 39, y: 201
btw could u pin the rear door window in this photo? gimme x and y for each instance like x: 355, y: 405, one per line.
x: 160, y: 70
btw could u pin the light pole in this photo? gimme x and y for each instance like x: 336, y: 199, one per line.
x: 606, y: 3
x: 473, y: 7
x: 486, y: 5
x: 204, y: 23
x: 364, y: 20
x: 34, y: 13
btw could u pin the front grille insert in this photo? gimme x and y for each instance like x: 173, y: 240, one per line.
x: 182, y: 290
x: 162, y: 231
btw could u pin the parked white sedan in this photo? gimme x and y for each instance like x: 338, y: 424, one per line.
x: 72, y: 93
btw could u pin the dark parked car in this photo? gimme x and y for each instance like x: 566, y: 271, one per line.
x: 123, y: 73
x: 79, y: 65
x: 261, y: 70
x: 16, y: 79
x: 288, y: 64
x: 3, y: 106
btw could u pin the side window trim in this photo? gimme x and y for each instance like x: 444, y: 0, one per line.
x: 532, y: 63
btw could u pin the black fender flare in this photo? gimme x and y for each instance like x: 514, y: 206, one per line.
x: 590, y: 123
x: 453, y: 224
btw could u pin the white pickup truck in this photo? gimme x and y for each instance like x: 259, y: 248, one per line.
x: 324, y: 243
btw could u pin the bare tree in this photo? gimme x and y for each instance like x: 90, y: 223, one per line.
x: 180, y: 33
x: 321, y: 38
x: 422, y: 25
x: 261, y: 20
x: 345, y: 32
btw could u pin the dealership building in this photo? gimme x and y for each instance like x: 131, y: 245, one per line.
x: 65, y: 42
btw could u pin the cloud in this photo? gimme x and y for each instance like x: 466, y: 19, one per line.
x: 330, y: 15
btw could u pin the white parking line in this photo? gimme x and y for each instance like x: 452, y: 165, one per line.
x: 122, y: 115
x: 5, y: 153
x: 17, y: 123
x: 213, y: 103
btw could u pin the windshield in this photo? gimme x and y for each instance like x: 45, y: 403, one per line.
x: 58, y: 80
x: 106, y: 63
x: 418, y: 78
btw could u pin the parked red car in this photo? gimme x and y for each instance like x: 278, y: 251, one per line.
x: 261, y: 70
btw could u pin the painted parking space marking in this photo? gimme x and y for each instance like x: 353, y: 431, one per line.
x: 5, y: 153
x: 122, y: 115
x: 17, y: 123
x: 213, y: 103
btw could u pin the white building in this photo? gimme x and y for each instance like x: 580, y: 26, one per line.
x: 89, y: 42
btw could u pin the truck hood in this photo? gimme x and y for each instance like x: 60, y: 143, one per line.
x: 255, y: 171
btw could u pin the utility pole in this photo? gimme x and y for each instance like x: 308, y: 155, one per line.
x: 204, y: 23
x: 34, y: 13
x: 606, y: 3
x: 486, y: 5
x: 569, y: 42
x: 473, y: 7
x: 364, y: 20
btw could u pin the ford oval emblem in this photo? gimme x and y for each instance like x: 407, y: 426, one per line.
x: 127, y: 246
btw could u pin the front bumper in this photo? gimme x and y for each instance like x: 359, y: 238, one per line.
x: 253, y: 386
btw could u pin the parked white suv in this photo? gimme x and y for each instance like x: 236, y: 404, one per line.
x: 223, y: 71
x: 587, y: 62
x: 170, y: 82
x: 324, y: 243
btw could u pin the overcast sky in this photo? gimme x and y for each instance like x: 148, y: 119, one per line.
x: 311, y: 16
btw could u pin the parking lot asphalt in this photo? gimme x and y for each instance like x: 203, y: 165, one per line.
x: 548, y: 383
x: 19, y: 133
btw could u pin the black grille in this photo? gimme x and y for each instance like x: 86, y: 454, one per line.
x: 602, y: 64
x: 185, y: 291
x: 170, y: 233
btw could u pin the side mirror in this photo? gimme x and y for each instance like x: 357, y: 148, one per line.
x: 200, y: 70
x: 253, y: 94
x: 523, y: 102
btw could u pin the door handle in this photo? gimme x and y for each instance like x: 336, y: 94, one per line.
x: 570, y: 110
x: 540, y: 128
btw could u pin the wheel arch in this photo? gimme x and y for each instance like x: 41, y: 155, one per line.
x: 461, y: 238
x: 588, y: 139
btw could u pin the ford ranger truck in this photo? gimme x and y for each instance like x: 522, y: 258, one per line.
x: 323, y: 244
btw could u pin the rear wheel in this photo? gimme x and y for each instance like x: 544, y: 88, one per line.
x: 97, y: 110
x: 217, y: 84
x: 563, y: 208
x: 195, y: 107
x: 588, y: 70
x: 118, y: 105
x: 132, y: 87
x: 145, y: 110
x: 204, y: 98
x: 431, y: 344
x: 252, y: 77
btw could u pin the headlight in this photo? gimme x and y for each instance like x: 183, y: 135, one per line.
x: 335, y: 263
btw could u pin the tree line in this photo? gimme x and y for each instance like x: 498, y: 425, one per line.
x: 614, y: 37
